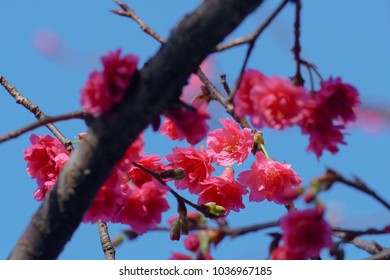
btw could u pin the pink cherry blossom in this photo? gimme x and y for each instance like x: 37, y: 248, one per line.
x: 305, y: 233
x: 229, y: 144
x: 142, y: 207
x: 224, y: 191
x: 105, y: 88
x: 269, y: 179
x: 242, y: 98
x: 271, y: 101
x: 196, y: 165
x: 277, y: 103
x: 45, y: 158
x: 151, y: 162
x: 339, y: 99
x: 182, y: 123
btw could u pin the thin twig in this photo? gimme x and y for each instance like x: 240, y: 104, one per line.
x: 297, y: 79
x: 355, y: 233
x: 382, y: 255
x: 33, y: 108
x: 128, y: 12
x: 369, y: 247
x: 254, y: 35
x: 45, y: 120
x: 105, y: 240
x: 358, y: 185
x: 175, y: 194
x: 225, y: 84
x: 252, y: 42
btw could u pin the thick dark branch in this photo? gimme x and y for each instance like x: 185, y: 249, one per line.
x: 159, y: 85
x: 33, y: 108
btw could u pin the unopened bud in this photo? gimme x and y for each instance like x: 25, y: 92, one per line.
x: 175, y: 230
x: 174, y: 174
x: 215, y: 209
x: 184, y: 227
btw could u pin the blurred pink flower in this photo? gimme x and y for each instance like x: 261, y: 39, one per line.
x: 105, y: 88
x: 282, y: 253
x: 323, y: 133
x: 142, y: 207
x: 224, y: 191
x: 194, y: 85
x: 338, y: 99
x: 305, y: 233
x: 46, y: 42
x: 269, y: 179
x: 182, y: 123
x: 191, y: 242
x: 45, y: 158
x: 249, y: 84
x: 371, y: 120
x: 196, y: 165
x: 229, y: 144
x: 179, y: 256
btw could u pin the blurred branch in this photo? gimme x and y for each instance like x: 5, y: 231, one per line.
x: 45, y: 120
x: 108, y: 248
x: 358, y: 185
x: 382, y: 255
x: 158, y: 84
x: 33, y: 108
x: 297, y: 79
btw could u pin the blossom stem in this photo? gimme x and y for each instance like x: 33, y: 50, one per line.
x: 263, y: 149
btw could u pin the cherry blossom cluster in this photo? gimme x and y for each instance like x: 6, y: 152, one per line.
x: 276, y: 103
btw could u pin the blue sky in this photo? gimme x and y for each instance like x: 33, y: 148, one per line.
x: 343, y: 38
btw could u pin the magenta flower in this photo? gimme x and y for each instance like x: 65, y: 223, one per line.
x: 229, y: 144
x: 323, y: 133
x: 269, y: 179
x: 179, y: 256
x: 339, y: 99
x: 191, y: 242
x: 224, y: 191
x: 182, y: 123
x: 274, y: 102
x: 151, y: 162
x: 305, y: 233
x: 103, y: 89
x: 142, y: 207
x: 45, y: 158
x: 196, y: 165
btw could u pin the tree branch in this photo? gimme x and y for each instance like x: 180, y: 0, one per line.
x: 159, y: 84
x: 33, y: 108
x: 45, y: 120
x: 105, y: 240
